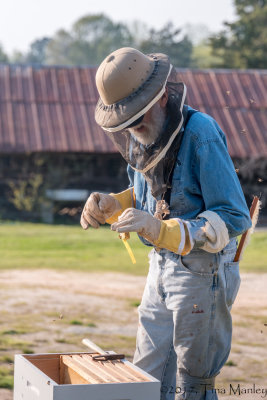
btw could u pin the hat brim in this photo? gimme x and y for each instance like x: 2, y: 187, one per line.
x: 115, y: 116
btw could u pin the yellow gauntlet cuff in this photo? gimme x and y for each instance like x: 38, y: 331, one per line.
x: 174, y: 236
x: 126, y: 200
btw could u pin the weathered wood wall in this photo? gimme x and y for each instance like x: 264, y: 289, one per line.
x: 26, y: 177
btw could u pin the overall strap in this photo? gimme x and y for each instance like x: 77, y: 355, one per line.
x: 167, y: 196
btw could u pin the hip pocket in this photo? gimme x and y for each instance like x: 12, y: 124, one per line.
x: 200, y: 263
x: 232, y: 281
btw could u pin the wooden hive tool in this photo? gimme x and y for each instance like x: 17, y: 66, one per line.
x: 254, y: 214
x: 124, y: 237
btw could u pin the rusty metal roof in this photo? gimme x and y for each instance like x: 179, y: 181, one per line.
x: 51, y: 108
x: 237, y: 100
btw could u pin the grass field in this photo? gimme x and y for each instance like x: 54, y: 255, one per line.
x: 26, y: 245
x: 37, y: 264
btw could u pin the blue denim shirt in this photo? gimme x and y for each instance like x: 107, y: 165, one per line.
x: 204, y: 178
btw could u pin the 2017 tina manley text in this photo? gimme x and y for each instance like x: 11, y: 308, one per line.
x: 232, y: 390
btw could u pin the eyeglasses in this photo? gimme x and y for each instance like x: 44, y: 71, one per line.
x: 136, y: 122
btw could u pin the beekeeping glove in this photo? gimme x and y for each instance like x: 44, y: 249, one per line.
x: 126, y: 199
x: 100, y: 208
x: 169, y: 234
x: 207, y: 232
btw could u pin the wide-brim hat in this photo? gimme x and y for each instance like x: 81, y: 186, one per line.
x: 129, y: 84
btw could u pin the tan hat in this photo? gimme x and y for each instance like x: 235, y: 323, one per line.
x: 129, y: 83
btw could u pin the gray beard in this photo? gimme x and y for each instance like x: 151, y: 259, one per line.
x: 150, y: 131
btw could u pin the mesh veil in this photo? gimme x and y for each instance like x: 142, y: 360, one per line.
x: 156, y: 161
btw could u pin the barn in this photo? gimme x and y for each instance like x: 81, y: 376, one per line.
x: 53, y: 154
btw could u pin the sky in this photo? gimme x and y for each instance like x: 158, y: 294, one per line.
x: 23, y: 21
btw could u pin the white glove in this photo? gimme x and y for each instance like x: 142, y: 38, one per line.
x: 97, y: 209
x: 133, y: 220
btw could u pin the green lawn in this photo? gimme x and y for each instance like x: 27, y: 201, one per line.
x: 255, y: 255
x: 26, y: 245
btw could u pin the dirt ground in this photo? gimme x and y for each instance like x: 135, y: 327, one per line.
x: 49, y: 311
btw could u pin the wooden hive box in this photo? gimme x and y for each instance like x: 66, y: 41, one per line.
x: 76, y: 376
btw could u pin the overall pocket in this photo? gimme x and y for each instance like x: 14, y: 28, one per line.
x: 232, y: 281
x: 200, y: 263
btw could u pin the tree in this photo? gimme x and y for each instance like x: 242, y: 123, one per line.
x: 59, y: 49
x: 93, y: 37
x: 3, y: 56
x: 197, y: 33
x: 90, y: 40
x: 168, y: 40
x: 17, y: 57
x: 202, y: 56
x: 37, y: 53
x: 243, y: 43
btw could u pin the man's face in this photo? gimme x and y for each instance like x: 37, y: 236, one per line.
x: 151, y: 126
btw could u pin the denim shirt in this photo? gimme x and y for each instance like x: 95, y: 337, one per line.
x: 204, y: 178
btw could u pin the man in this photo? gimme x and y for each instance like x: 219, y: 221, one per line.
x: 185, y: 200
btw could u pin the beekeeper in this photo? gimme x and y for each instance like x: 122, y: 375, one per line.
x: 185, y: 201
